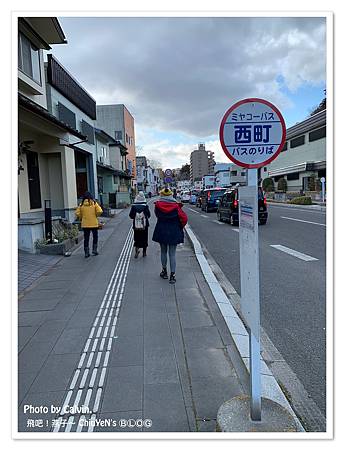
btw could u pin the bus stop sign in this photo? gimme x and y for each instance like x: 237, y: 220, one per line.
x: 252, y: 133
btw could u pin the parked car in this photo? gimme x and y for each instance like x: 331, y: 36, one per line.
x: 210, y: 198
x: 228, y: 207
x: 186, y: 196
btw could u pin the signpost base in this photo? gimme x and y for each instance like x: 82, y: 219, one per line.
x: 255, y: 389
x: 234, y: 416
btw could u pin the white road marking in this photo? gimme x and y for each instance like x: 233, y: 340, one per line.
x: 202, y: 215
x: 113, y: 294
x: 97, y: 400
x: 93, y: 377
x: 102, y: 377
x: 92, y: 423
x: 295, y: 253
x: 98, y: 359
x: 75, y: 378
x: 192, y: 210
x: 235, y: 229
x: 305, y: 221
x: 81, y: 362
x: 87, y: 345
x: 77, y: 398
x: 79, y: 427
x: 218, y: 222
x: 88, y: 396
x: 69, y: 424
x: 83, y: 380
x: 66, y: 402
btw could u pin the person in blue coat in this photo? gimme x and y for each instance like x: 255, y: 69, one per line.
x: 168, y: 231
x: 140, y: 214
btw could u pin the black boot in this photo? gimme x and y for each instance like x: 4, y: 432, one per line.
x: 137, y: 251
x: 94, y: 250
x: 87, y: 252
x: 163, y: 273
x: 172, y: 278
x: 144, y: 252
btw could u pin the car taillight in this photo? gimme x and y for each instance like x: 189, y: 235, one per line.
x: 235, y: 203
x: 209, y: 194
x: 264, y: 200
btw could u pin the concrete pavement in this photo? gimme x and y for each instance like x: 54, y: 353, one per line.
x: 108, y: 333
x: 293, y: 292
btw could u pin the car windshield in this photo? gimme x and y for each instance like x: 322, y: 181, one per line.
x: 217, y: 194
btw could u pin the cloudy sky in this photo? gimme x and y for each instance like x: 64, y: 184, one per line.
x: 178, y: 76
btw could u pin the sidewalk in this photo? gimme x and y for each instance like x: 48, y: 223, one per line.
x: 110, y: 334
x: 32, y: 266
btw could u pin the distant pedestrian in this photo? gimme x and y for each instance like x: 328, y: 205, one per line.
x: 168, y: 231
x: 88, y: 212
x: 140, y: 214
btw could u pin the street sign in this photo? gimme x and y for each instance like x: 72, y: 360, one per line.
x: 249, y: 256
x: 168, y: 179
x: 168, y: 173
x: 252, y: 133
x: 249, y: 282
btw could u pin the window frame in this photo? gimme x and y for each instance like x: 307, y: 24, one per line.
x: 21, y: 60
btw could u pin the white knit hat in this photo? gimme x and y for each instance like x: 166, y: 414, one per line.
x: 140, y: 198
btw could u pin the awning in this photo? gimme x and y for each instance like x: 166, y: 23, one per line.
x: 296, y: 168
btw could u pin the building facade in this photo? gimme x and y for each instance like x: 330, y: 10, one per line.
x: 237, y: 175
x: 46, y: 163
x: 201, y: 163
x: 302, y: 161
x: 222, y: 175
x: 117, y: 121
x: 72, y: 104
x: 112, y: 179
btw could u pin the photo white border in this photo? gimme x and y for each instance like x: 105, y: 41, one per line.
x: 329, y: 241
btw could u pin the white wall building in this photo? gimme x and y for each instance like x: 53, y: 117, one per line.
x: 222, y: 174
x: 303, y: 157
x: 184, y: 185
x: 237, y: 175
x: 208, y: 181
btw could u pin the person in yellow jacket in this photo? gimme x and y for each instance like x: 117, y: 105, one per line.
x: 88, y: 212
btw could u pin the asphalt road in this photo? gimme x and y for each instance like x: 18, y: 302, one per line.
x: 293, y: 290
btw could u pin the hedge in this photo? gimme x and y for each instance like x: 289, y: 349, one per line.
x: 301, y: 200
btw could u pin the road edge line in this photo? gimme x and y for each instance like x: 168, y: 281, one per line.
x: 270, y: 386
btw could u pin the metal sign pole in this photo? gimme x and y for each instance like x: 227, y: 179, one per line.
x: 255, y: 382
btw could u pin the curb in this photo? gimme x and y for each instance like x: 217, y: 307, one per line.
x: 270, y: 387
x: 305, y: 207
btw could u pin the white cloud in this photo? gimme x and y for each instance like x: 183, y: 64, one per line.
x: 181, y: 74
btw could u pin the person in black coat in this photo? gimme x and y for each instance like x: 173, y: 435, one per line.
x: 140, y: 214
